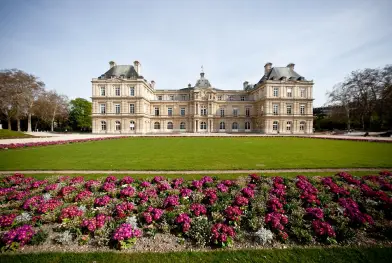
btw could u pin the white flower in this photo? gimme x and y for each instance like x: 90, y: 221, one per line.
x: 83, y: 208
x: 47, y: 196
x: 264, y: 236
x: 24, y: 217
x: 132, y: 220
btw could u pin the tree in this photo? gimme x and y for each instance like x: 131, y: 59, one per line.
x: 80, y: 114
x: 51, y: 106
x: 341, y: 96
x: 19, y: 90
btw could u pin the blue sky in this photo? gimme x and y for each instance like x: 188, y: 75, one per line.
x: 66, y: 43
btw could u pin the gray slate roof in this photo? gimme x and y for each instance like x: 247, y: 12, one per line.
x: 202, y: 82
x: 127, y: 70
x: 276, y: 73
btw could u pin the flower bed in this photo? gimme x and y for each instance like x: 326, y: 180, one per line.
x: 37, y: 144
x: 208, y: 212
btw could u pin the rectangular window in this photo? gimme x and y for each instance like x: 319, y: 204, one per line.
x: 242, y: 98
x: 247, y: 112
x: 117, y: 91
x: 103, y: 91
x: 183, y: 97
x: 156, y: 111
x: 276, y: 92
x: 182, y: 111
x: 288, y: 126
x: 117, y: 107
x: 160, y: 97
x: 302, y: 109
x: 303, y: 92
x: 171, y: 97
x: 231, y: 97
x: 222, y: 112
x: 289, y: 109
x: 103, y: 108
x: 289, y: 92
x: 275, y: 109
x: 203, y: 111
x: 131, y: 91
x: 170, y: 111
x: 235, y: 112
x: 219, y: 97
x: 131, y: 108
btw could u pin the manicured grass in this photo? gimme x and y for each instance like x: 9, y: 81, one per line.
x: 200, y: 154
x: 195, y: 176
x: 7, y: 134
x: 309, y: 255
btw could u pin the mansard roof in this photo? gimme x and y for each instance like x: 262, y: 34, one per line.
x: 117, y: 71
x: 279, y: 73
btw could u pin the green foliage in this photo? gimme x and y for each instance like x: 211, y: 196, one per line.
x: 40, y: 237
x: 80, y: 114
x: 200, y: 231
x: 125, y: 244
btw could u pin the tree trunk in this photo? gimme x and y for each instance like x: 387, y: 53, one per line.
x: 9, y: 123
x: 29, y: 122
x: 52, y: 126
x: 18, y: 123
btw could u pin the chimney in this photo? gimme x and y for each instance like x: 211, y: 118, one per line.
x: 267, y: 68
x: 246, y: 83
x: 291, y: 66
x: 152, y: 84
x: 112, y: 63
x: 138, y: 67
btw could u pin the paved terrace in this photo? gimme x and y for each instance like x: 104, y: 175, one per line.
x: 50, y: 137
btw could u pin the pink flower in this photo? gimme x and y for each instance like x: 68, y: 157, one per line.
x: 127, y: 180
x: 171, y: 200
x: 128, y: 191
x: 185, y: 220
x: 315, y: 213
x: 7, y: 220
x: 126, y: 231
x: 21, y: 235
x: 152, y: 214
x: 102, y: 201
x: 222, y: 187
x: 233, y: 213
x: 83, y: 195
x: 185, y: 192
x: 124, y: 209
x: 241, y: 200
x: 323, y: 228
x: 198, y: 209
x: 210, y: 196
x: 70, y: 212
x: 220, y: 232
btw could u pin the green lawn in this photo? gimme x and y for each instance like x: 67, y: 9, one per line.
x: 308, y: 255
x: 200, y: 154
x: 7, y: 134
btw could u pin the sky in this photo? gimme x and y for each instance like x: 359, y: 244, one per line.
x: 67, y: 43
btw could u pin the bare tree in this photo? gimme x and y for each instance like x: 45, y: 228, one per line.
x: 341, y: 96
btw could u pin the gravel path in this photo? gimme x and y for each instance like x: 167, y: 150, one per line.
x: 195, y: 172
x: 45, y: 137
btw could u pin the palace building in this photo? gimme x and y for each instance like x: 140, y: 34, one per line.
x: 124, y: 102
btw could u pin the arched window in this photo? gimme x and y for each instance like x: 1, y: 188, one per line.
x: 203, y: 125
x: 103, y: 125
x: 222, y: 125
x: 182, y: 126
x: 118, y: 126
x: 302, y: 126
x: 170, y: 125
x: 157, y: 125
x: 288, y: 126
x: 247, y: 125
x: 234, y: 126
x: 275, y: 125
x: 132, y: 125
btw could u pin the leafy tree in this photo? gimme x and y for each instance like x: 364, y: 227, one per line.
x: 80, y: 114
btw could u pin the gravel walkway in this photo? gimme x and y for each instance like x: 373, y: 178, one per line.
x: 196, y: 172
x: 45, y: 137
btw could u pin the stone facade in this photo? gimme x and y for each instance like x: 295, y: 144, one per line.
x: 124, y: 102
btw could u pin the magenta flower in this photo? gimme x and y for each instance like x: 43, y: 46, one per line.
x: 7, y: 220
x: 128, y: 191
x: 220, y: 232
x: 185, y: 192
x: 124, y: 209
x: 70, y: 212
x: 198, y: 209
x: 102, y: 201
x: 233, y: 213
x: 323, y: 228
x: 127, y: 180
x: 21, y: 235
x: 222, y: 187
x: 83, y: 195
x: 241, y: 200
x: 315, y: 213
x: 185, y: 221
x: 126, y: 231
x: 171, y: 200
